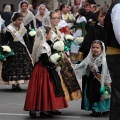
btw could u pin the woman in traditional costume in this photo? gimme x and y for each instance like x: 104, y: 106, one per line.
x: 29, y: 22
x: 42, y: 16
x: 69, y: 82
x: 17, y: 69
x: 79, y: 32
x: 96, y: 85
x: 45, y: 92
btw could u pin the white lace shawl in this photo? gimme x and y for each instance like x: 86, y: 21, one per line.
x: 40, y: 40
x: 29, y: 17
x: 82, y: 68
x: 45, y: 19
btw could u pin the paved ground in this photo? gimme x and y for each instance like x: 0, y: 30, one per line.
x: 11, y: 107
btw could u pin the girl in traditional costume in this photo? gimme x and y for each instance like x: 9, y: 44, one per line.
x: 29, y: 22
x: 96, y: 85
x: 17, y: 69
x: 42, y: 16
x: 69, y: 82
x: 45, y: 92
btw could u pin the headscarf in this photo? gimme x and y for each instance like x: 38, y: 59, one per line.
x: 40, y: 39
x: 19, y: 6
x: 38, y: 12
x: 82, y: 68
x: 29, y: 17
x: 45, y: 19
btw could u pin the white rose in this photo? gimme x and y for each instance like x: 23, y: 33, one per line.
x: 59, y: 45
x: 79, y: 40
x: 54, y: 58
x: 70, y: 37
x: 32, y: 33
x: 6, y: 48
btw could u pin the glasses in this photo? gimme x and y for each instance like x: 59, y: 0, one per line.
x: 56, y: 18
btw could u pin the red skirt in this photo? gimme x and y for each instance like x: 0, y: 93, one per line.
x: 40, y: 93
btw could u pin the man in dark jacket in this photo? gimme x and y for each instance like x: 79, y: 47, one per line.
x: 112, y: 32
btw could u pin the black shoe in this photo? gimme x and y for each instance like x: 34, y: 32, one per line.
x: 105, y: 113
x: 55, y: 112
x: 18, y: 88
x: 46, y: 115
x: 32, y: 114
x: 95, y: 114
x: 13, y: 87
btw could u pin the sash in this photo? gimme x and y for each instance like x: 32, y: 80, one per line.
x: 15, y: 33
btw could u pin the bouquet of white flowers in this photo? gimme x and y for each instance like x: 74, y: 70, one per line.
x: 32, y: 33
x: 69, y: 37
x: 6, y: 48
x: 59, y: 46
x: 5, y: 51
x: 55, y: 58
x: 79, y: 40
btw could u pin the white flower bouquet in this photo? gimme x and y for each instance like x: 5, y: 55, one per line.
x: 55, y: 58
x: 59, y: 46
x: 6, y: 48
x: 5, y: 51
x: 79, y: 40
x: 32, y: 33
x: 69, y: 37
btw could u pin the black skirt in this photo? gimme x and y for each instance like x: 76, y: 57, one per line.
x: 19, y: 66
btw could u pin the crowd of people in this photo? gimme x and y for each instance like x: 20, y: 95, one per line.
x: 48, y: 50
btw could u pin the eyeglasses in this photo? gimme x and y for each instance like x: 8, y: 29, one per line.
x: 56, y: 18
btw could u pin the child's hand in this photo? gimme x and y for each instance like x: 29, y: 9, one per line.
x: 108, y: 84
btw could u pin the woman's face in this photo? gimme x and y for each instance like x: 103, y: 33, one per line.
x: 42, y: 10
x: 18, y: 21
x: 96, y: 48
x: 24, y: 6
x: 55, y: 19
x: 49, y: 35
x: 75, y: 9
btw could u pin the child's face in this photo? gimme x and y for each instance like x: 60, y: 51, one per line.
x: 101, y: 18
x: 49, y: 35
x: 88, y: 8
x: 96, y: 48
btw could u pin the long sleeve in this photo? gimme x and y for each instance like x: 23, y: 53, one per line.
x: 45, y: 60
x: 7, y: 37
x: 83, y: 28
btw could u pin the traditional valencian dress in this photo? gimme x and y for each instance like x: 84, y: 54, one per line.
x: 68, y: 79
x: 44, y: 19
x: 30, y: 24
x: 17, y: 69
x: 63, y: 27
x: 79, y: 32
x: 90, y: 68
x: 44, y: 90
